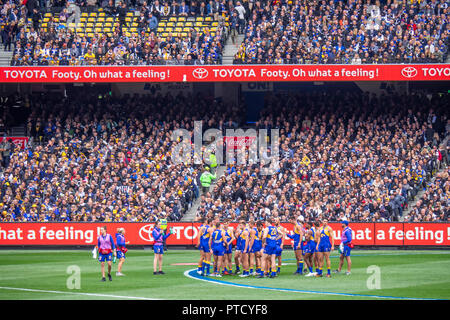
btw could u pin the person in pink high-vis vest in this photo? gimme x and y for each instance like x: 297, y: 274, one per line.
x: 106, y: 250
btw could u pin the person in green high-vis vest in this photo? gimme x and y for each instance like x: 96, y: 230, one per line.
x: 206, y: 179
x: 213, y: 162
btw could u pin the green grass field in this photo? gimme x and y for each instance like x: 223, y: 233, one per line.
x: 42, y: 274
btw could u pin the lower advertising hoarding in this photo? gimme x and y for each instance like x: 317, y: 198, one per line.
x: 368, y: 234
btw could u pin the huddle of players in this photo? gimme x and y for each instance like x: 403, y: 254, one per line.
x: 260, y: 245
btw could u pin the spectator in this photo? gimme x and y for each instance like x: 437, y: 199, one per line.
x: 152, y: 22
x: 184, y: 9
x: 234, y: 26
x: 122, y: 13
x: 241, y: 15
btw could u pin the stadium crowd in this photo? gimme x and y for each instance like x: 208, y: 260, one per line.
x: 104, y: 159
x: 344, y: 156
x: 59, y: 45
x: 345, y: 32
x: 276, y: 32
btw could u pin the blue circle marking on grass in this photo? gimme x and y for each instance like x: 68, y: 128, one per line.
x: 194, y: 275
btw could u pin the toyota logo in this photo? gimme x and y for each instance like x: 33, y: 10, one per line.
x: 200, y: 73
x: 409, y: 72
x: 146, y: 232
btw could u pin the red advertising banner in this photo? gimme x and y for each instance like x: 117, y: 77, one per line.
x: 87, y: 233
x: 238, y: 142
x: 22, y: 142
x: 373, y: 234
x: 215, y: 73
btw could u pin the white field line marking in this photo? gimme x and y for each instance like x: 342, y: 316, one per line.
x: 78, y: 293
x: 231, y: 284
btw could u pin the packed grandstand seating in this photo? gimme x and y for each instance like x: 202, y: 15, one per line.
x: 79, y: 32
x: 433, y: 205
x: 353, y: 157
x: 342, y: 155
x: 93, y: 159
x: 346, y: 32
x: 146, y: 34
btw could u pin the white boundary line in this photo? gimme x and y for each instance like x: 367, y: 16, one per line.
x: 231, y: 284
x: 78, y: 293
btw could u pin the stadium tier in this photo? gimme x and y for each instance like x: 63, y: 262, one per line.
x: 344, y: 155
x: 275, y: 32
x: 114, y: 36
x: 96, y: 160
x: 345, y: 32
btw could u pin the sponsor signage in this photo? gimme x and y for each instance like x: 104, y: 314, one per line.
x: 369, y: 234
x: 238, y: 142
x: 213, y: 73
x: 22, y: 142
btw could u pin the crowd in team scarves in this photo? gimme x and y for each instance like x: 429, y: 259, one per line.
x: 58, y: 45
x: 346, y: 32
x: 345, y: 156
x: 104, y: 159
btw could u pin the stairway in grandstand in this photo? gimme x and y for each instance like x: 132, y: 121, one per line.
x: 230, y: 49
x: 5, y: 56
x: 190, y: 214
x: 18, y: 131
x: 419, y: 195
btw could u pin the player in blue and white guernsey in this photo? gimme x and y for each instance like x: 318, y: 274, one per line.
x: 228, y: 256
x: 204, y: 235
x: 200, y: 262
x: 308, y: 248
x: 297, y: 236
x: 325, y: 244
x: 238, y: 250
x: 280, y: 242
x: 255, y: 246
x: 345, y: 248
x: 245, y: 247
x: 218, y: 243
x: 270, y: 239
